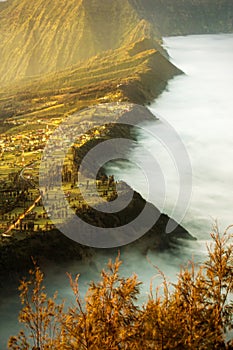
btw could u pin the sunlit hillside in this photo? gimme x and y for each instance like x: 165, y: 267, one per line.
x: 50, y: 36
x: 125, y: 74
x: 57, y: 34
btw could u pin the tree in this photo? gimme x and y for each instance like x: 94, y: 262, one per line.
x: 40, y: 315
x: 195, y: 313
x: 109, y: 317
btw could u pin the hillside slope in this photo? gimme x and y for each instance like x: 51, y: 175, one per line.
x: 72, y: 53
x: 133, y: 73
x: 54, y: 35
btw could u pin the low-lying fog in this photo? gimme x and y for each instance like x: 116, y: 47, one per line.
x: 199, y: 106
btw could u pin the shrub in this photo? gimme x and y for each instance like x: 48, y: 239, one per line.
x: 194, y: 313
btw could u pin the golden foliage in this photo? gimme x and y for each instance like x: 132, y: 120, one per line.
x: 194, y: 313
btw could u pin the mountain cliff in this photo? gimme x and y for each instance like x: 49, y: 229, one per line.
x: 50, y: 36
x: 72, y: 53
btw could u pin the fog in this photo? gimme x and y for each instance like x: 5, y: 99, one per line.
x: 199, y: 106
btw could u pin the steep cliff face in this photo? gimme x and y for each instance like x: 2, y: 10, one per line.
x: 41, y: 37
x: 88, y: 48
x: 49, y: 36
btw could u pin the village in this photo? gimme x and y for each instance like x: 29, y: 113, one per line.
x: 21, y: 205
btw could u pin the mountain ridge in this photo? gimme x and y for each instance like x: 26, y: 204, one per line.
x: 138, y: 77
x: 87, y: 51
x: 50, y: 37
